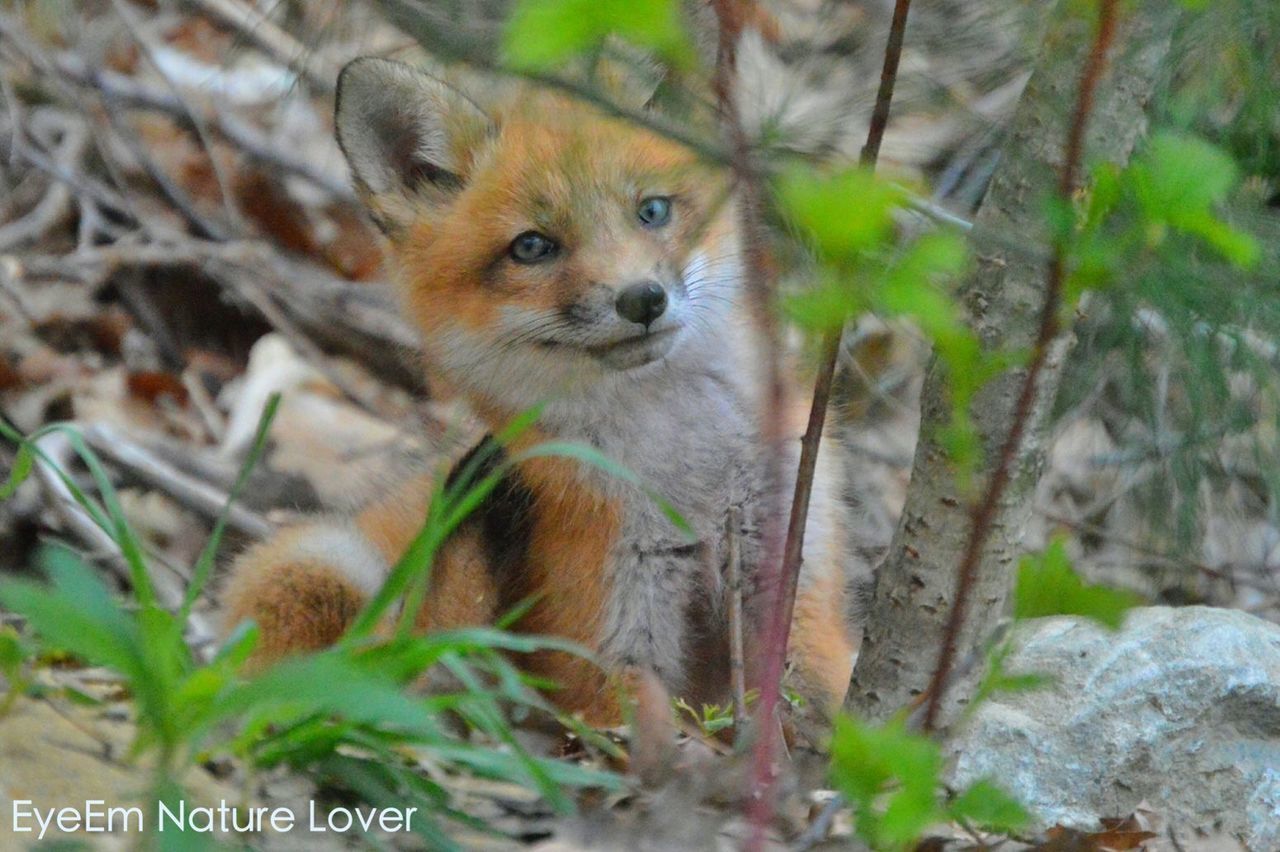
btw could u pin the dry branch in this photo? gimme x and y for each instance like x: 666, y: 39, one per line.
x: 194, y: 494
x: 264, y: 34
x: 355, y: 319
x: 785, y: 577
x: 118, y: 89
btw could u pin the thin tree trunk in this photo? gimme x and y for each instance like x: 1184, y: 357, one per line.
x: 915, y: 587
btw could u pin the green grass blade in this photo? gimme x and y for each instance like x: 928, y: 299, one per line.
x: 595, y: 458
x: 22, y: 465
x: 204, y: 565
x: 113, y: 521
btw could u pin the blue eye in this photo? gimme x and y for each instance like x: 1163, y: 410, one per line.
x: 532, y: 247
x: 655, y: 211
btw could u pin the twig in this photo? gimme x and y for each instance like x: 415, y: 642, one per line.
x: 1154, y: 553
x: 129, y: 92
x: 198, y: 496
x: 737, y: 666
x: 341, y: 315
x: 934, y: 212
x: 76, y: 521
x: 252, y: 292
x: 821, y: 826
x: 57, y: 447
x: 273, y: 41
x: 197, y: 121
x: 9, y: 286
x: 80, y: 183
x: 53, y: 207
x: 985, y: 510
x: 66, y: 124
x: 201, y: 224
x: 444, y: 41
x: 784, y: 603
x: 757, y: 269
x: 205, y: 407
x: 812, y: 439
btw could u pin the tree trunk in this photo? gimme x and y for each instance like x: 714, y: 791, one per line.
x: 915, y: 586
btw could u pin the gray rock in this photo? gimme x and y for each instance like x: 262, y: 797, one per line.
x: 1180, y: 709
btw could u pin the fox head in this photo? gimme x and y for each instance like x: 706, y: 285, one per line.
x: 542, y: 247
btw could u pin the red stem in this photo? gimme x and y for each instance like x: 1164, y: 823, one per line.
x: 785, y: 577
x: 985, y: 511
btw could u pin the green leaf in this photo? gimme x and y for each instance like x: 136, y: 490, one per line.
x: 831, y: 302
x: 1105, y: 192
x: 204, y: 565
x: 1179, y: 179
x: 887, y: 766
x: 842, y: 215
x: 542, y: 34
x: 113, y: 520
x: 1047, y: 585
x: 76, y: 613
x: 912, y: 286
x: 990, y: 808
x: 1177, y: 173
x: 998, y: 679
x: 1238, y: 247
x: 235, y: 651
x: 12, y: 652
x: 22, y: 465
x: 327, y: 683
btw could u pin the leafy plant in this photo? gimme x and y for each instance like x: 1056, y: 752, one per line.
x: 1047, y: 585
x: 892, y: 777
x: 541, y: 34
x: 343, y: 715
x: 711, y: 719
x: 847, y: 220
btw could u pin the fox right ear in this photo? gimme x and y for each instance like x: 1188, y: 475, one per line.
x: 406, y: 136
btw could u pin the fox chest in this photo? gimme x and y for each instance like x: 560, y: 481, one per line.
x: 664, y: 593
x: 602, y: 555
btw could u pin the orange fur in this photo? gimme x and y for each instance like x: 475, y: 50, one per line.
x: 392, y: 522
x: 462, y: 591
x: 523, y: 182
x: 573, y: 532
x: 297, y: 606
x: 821, y: 648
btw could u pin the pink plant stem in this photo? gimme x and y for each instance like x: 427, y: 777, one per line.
x: 782, y: 581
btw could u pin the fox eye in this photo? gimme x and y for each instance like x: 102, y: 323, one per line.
x: 531, y: 247
x: 655, y: 211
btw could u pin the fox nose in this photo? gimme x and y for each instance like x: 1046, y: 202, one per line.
x: 642, y: 303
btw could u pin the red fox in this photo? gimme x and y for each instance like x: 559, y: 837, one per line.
x: 553, y: 254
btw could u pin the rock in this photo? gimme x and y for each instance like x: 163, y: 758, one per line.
x: 1181, y: 709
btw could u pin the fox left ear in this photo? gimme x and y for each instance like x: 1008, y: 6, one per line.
x: 406, y: 136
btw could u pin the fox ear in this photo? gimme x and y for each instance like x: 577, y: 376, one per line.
x: 405, y: 134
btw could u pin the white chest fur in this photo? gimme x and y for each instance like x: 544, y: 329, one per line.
x: 692, y: 439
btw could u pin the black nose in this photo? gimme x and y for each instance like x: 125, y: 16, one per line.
x: 642, y: 303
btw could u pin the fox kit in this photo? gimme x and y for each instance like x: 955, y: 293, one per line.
x: 551, y: 254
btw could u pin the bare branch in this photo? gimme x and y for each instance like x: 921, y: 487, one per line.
x: 194, y: 494
x: 128, y: 92
x: 264, y: 34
